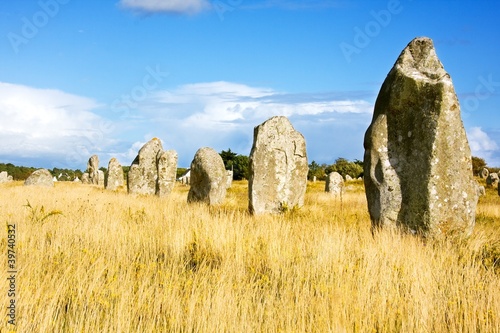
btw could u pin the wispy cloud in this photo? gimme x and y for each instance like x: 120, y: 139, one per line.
x: 482, y: 145
x: 167, y: 6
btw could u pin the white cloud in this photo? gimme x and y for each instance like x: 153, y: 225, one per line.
x: 47, y: 123
x: 481, y: 144
x: 167, y: 6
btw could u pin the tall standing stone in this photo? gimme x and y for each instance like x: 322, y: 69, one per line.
x: 278, y: 167
x: 114, y: 176
x: 417, y: 163
x: 334, y: 183
x: 167, y: 172
x: 143, y: 173
x: 208, y: 177
x: 40, y: 177
x: 93, y: 169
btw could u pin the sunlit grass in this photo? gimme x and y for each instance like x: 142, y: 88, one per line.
x: 111, y: 262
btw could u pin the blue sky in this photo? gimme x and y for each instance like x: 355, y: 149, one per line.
x: 103, y: 77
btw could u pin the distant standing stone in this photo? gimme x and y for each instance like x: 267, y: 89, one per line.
x: 143, y: 173
x: 40, y: 177
x: 208, y: 177
x: 348, y: 178
x: 85, y: 178
x: 229, y: 178
x: 481, y: 190
x: 492, y: 179
x: 334, y: 183
x: 167, y: 171
x: 4, y: 177
x: 114, y: 176
x: 278, y: 167
x: 484, y: 173
x: 417, y: 162
x: 93, y: 169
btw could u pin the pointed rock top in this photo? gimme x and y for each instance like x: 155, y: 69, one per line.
x: 420, y: 61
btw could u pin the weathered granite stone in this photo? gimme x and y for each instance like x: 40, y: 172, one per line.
x: 85, y: 178
x: 143, y: 173
x: 4, y: 177
x: 114, y: 179
x: 334, y: 183
x: 348, y: 178
x: 492, y: 179
x: 40, y: 177
x: 484, y: 173
x: 229, y: 178
x: 208, y: 177
x: 93, y: 169
x: 481, y: 190
x: 167, y: 171
x: 417, y: 163
x: 278, y: 167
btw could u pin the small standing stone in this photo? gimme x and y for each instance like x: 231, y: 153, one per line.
x: 229, y: 178
x: 114, y: 176
x: 85, y: 178
x: 484, y: 173
x: 334, y: 183
x: 93, y: 169
x: 167, y: 171
x: 208, y: 177
x: 40, y: 177
x: 4, y: 177
x: 348, y: 178
x: 492, y: 179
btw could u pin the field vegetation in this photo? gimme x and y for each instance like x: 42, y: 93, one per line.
x: 91, y: 260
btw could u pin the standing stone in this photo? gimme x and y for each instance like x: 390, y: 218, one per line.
x: 481, y: 190
x: 229, y: 182
x: 208, y: 177
x: 334, y: 183
x: 417, y: 162
x: 40, y: 177
x: 314, y: 179
x: 492, y: 179
x: 4, y: 177
x: 348, y: 178
x: 143, y: 173
x: 167, y: 171
x: 114, y: 176
x: 278, y: 167
x: 484, y: 173
x: 100, y: 178
x: 93, y: 169
x: 85, y: 178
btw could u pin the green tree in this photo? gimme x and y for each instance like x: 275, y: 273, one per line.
x: 316, y: 170
x: 238, y: 163
x: 344, y: 167
x: 477, y: 164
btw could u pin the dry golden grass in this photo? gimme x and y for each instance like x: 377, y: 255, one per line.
x: 118, y: 263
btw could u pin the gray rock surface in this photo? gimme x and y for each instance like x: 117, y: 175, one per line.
x: 229, y: 178
x: 93, y: 169
x: 143, y: 173
x: 492, y: 179
x: 417, y: 163
x: 40, y: 177
x: 114, y: 179
x: 4, y: 177
x: 278, y: 167
x: 85, y: 178
x: 484, y: 173
x: 208, y: 177
x: 167, y: 172
x: 334, y: 183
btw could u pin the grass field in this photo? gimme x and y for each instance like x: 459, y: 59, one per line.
x: 91, y: 260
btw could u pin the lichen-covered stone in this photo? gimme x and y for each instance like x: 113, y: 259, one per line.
x: 484, y: 173
x: 208, y: 177
x: 85, y: 178
x: 93, y: 169
x: 40, y: 177
x: 492, y: 179
x: 417, y: 163
x: 167, y: 172
x: 334, y: 183
x: 4, y: 177
x: 143, y: 173
x: 278, y: 167
x: 114, y: 178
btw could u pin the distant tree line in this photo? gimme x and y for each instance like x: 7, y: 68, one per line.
x: 343, y: 166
